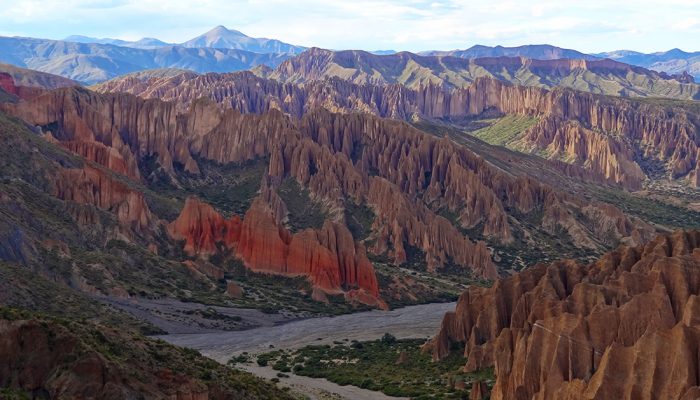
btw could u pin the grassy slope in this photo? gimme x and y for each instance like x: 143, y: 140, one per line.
x: 502, y: 131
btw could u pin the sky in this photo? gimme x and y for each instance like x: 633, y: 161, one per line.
x: 413, y: 25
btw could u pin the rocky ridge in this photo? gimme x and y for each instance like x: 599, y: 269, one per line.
x: 602, y: 76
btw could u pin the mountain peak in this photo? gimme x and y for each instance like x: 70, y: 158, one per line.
x: 222, y: 30
x: 224, y: 38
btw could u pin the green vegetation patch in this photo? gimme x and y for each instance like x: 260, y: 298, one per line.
x: 394, y: 367
x: 359, y: 219
x: 650, y: 210
x: 230, y: 188
x: 303, y: 211
x: 503, y: 131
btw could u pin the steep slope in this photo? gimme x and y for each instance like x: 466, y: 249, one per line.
x: 597, y: 76
x: 612, y: 139
x: 625, y: 326
x: 222, y: 38
x: 49, y: 358
x: 92, y: 62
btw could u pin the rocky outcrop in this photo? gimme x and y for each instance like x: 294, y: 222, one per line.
x: 609, y: 156
x: 47, y: 359
x: 329, y: 257
x: 625, y: 326
x: 9, y: 86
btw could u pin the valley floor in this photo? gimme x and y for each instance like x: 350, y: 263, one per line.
x: 420, y: 321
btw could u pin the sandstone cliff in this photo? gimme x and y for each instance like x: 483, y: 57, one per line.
x: 625, y: 326
x: 97, y: 188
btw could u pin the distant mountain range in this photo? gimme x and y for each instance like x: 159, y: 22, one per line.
x: 144, y: 43
x: 91, y: 60
x: 220, y: 38
x: 534, y: 51
x: 673, y: 62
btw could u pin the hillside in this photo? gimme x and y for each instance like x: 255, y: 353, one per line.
x: 32, y: 78
x: 68, y: 358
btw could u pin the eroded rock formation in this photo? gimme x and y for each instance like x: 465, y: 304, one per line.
x: 330, y: 257
x: 92, y: 186
x: 607, y: 136
x: 625, y: 326
x: 411, y: 180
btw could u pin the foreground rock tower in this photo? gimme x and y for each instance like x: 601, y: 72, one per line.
x: 624, y: 327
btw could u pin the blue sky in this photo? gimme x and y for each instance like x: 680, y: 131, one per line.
x: 590, y: 25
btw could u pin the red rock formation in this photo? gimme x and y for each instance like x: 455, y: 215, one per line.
x: 333, y: 155
x: 203, y: 229
x: 329, y: 257
x: 623, y: 327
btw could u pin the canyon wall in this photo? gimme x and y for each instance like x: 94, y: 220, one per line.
x: 411, y: 181
x: 607, y: 136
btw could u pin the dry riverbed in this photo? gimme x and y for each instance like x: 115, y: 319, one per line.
x: 421, y: 321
